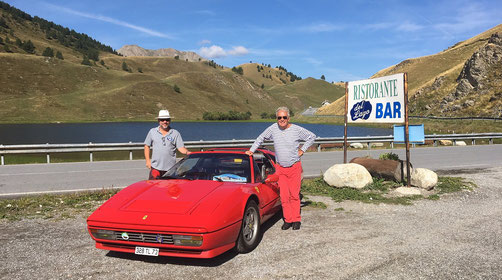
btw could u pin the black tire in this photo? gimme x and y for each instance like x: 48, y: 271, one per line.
x: 250, y: 233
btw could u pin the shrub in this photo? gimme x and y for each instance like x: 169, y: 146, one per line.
x: 390, y: 156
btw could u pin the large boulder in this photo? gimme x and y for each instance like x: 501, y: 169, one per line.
x: 387, y: 169
x: 350, y: 175
x: 424, y: 178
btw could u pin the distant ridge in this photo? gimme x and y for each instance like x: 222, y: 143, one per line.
x: 135, y: 50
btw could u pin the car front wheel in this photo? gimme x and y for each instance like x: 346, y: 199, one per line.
x: 249, y: 236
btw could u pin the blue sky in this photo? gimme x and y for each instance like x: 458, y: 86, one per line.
x: 343, y: 40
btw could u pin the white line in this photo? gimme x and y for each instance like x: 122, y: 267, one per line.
x: 57, y: 192
x: 78, y: 171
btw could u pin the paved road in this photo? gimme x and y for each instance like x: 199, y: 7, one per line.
x: 58, y: 177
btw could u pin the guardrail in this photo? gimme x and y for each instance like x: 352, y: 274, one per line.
x: 319, y: 142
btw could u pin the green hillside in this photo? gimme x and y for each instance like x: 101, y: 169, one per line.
x: 38, y: 88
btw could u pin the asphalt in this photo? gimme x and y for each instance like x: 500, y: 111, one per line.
x: 456, y: 237
x: 25, y: 179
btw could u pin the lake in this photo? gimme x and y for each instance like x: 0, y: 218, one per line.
x: 119, y: 132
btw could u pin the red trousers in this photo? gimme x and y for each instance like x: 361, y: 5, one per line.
x: 290, y: 181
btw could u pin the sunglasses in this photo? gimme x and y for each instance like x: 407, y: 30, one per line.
x: 283, y: 117
x: 164, y: 120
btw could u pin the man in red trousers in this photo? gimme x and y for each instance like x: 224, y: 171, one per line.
x: 287, y: 137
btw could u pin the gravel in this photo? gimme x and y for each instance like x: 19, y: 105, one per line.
x: 456, y: 237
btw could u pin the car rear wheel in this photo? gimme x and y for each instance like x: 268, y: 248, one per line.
x: 250, y: 233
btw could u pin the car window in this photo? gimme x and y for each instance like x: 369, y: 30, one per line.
x: 212, y: 166
x: 262, y: 166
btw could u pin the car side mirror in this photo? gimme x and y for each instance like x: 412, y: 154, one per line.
x: 272, y: 178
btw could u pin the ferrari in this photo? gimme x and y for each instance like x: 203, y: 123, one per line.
x: 208, y: 203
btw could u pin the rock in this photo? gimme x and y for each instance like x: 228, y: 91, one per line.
x: 356, y: 145
x: 460, y: 143
x: 424, y: 178
x: 350, y: 175
x: 387, y: 169
x: 445, y: 142
x: 407, y: 191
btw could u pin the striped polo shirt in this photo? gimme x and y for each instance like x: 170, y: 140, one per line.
x: 286, y: 142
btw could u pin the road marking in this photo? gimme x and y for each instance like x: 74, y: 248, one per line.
x: 57, y: 192
x: 77, y: 171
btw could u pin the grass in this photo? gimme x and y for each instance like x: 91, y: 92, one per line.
x: 68, y: 205
x: 378, y: 191
x: 53, y: 206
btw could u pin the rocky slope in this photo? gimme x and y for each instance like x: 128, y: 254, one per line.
x: 463, y: 80
x: 134, y: 50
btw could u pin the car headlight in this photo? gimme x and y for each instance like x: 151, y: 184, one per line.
x: 103, y: 234
x: 187, y: 240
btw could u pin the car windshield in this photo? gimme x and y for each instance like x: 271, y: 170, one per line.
x: 226, y: 167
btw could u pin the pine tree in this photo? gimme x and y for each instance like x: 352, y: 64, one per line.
x: 28, y: 47
x: 124, y: 66
x: 323, y: 78
x: 86, y: 61
x: 59, y: 55
x: 48, y: 52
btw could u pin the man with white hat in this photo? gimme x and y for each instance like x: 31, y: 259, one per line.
x: 164, y: 140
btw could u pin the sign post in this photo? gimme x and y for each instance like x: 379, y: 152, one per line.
x: 378, y: 100
x: 345, y: 126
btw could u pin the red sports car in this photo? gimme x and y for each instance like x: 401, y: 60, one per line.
x: 208, y: 203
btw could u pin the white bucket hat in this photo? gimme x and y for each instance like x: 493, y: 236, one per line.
x: 164, y: 114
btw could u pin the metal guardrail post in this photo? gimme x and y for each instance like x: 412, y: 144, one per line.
x: 1, y: 156
x: 490, y: 141
x: 473, y: 142
x: 130, y: 152
x: 48, y: 155
x: 318, y: 147
x: 90, y: 153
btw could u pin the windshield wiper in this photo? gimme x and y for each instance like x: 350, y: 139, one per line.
x: 175, y: 177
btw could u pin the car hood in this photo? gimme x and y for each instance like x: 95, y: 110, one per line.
x: 169, y: 196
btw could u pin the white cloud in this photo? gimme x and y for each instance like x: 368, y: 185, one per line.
x: 204, y: 42
x: 239, y: 50
x: 113, y: 21
x: 409, y: 27
x: 215, y: 51
x: 212, y: 52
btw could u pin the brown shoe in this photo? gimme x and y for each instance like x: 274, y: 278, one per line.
x: 296, y: 225
x: 286, y: 226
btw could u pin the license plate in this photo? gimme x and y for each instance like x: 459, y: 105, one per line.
x: 147, y: 251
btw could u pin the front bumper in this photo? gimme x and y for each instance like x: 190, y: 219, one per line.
x: 213, y: 244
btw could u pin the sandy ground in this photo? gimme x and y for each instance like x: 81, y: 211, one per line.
x: 456, y: 237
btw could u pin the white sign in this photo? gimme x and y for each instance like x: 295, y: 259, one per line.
x: 379, y: 100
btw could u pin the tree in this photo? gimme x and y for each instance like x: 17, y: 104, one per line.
x: 48, y: 52
x: 177, y: 88
x: 86, y: 61
x: 1, y: 41
x: 262, y: 86
x: 124, y: 66
x: 177, y: 57
x: 140, y: 70
x: 28, y: 47
x: 59, y: 55
x: 7, y: 49
x: 102, y: 62
x: 323, y: 78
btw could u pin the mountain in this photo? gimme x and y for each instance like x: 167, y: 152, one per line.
x: 463, y: 80
x: 52, y: 74
x: 134, y: 50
